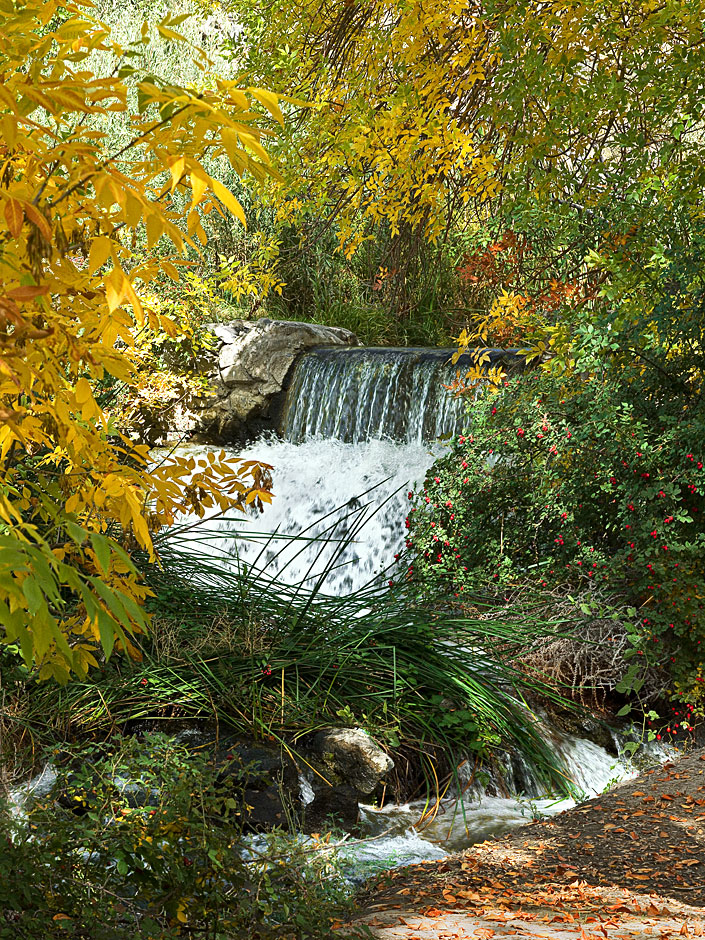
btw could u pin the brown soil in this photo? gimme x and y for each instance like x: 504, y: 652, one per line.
x: 630, y: 863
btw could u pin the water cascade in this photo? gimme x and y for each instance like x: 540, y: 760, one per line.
x: 339, y: 509
x: 360, y: 394
x: 360, y: 428
x: 414, y: 831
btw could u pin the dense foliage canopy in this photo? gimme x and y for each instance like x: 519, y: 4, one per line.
x: 76, y: 491
x: 555, y: 151
x: 576, y: 125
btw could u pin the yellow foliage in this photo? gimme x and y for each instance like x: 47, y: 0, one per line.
x: 256, y: 277
x: 77, y: 496
x: 383, y: 139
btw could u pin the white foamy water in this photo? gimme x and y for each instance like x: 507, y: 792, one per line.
x: 324, y: 491
x: 35, y: 788
x: 366, y: 859
x: 455, y: 824
x: 590, y: 767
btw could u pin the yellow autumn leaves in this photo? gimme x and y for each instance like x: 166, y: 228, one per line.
x: 75, y: 489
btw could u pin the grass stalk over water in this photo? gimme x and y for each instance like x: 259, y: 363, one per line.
x: 271, y: 660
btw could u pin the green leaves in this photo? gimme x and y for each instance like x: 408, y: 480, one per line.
x: 149, y: 812
x: 598, y: 501
x: 631, y: 680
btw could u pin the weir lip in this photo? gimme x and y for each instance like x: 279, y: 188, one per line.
x: 439, y: 354
x: 360, y: 393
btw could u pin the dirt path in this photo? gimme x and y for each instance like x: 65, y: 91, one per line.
x: 629, y: 864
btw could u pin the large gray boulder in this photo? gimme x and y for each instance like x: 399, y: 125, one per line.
x: 254, y: 364
x: 343, y: 766
x: 352, y: 757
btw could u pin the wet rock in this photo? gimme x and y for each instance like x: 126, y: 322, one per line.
x: 352, y: 757
x: 583, y: 724
x: 254, y: 364
x: 332, y: 807
x: 266, y: 781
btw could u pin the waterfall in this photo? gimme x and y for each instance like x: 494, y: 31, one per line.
x: 359, y: 430
x: 360, y: 427
x: 359, y: 394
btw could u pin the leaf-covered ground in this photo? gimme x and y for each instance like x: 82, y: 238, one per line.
x: 629, y: 864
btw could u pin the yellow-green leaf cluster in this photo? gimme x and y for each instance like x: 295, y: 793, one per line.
x: 77, y: 495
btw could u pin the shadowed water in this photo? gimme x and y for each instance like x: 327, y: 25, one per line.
x: 359, y: 394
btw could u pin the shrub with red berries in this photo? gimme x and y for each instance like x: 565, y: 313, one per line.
x: 580, y: 486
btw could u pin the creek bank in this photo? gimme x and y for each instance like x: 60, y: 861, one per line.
x: 634, y: 859
x: 311, y: 786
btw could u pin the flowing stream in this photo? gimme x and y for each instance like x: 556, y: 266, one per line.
x: 361, y: 427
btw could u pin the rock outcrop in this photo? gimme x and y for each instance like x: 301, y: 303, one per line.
x: 351, y: 766
x: 269, y: 781
x: 339, y: 767
x: 351, y: 755
x: 255, y: 361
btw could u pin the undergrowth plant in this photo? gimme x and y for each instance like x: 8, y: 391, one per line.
x: 144, y: 839
x: 588, y: 489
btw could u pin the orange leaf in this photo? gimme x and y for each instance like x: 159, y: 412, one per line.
x: 28, y: 292
x: 35, y: 216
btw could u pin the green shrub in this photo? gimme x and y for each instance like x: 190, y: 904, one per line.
x: 142, y: 839
x: 591, y: 489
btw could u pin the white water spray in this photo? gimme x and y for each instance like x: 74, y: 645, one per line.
x: 338, y: 509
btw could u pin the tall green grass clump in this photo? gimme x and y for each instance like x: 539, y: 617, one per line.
x: 274, y: 661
